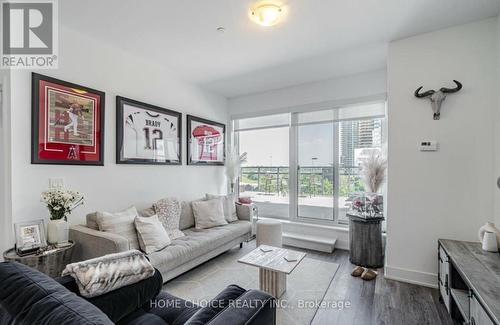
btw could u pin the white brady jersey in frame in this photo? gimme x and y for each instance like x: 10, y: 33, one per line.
x: 149, y: 135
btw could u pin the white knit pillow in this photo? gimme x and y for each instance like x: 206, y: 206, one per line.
x: 208, y: 214
x: 169, y: 214
x: 152, y: 236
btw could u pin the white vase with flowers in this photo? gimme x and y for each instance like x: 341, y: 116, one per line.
x: 60, y: 203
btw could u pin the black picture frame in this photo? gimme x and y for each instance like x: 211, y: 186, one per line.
x: 36, y: 80
x: 120, y: 159
x: 189, y: 138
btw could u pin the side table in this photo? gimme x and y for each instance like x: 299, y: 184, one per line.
x: 51, y: 261
x: 365, y: 241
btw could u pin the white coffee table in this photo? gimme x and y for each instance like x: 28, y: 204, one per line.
x: 273, y: 267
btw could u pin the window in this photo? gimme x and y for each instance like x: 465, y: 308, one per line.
x: 357, y: 139
x: 316, y: 171
x: 306, y: 165
x: 264, y: 176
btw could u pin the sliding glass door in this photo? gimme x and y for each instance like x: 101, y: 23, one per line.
x: 315, y: 171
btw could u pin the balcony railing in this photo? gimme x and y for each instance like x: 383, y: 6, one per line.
x: 268, y: 186
x: 313, y: 181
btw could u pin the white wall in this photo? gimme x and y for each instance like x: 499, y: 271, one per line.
x: 91, y: 63
x: 444, y: 194
x: 5, y: 206
x: 340, y: 89
x: 496, y: 150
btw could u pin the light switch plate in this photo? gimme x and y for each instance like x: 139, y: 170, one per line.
x: 56, y: 183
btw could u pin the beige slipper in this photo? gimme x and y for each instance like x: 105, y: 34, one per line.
x: 358, y: 270
x: 369, y: 275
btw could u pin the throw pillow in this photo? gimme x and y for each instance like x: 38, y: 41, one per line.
x: 208, y: 214
x: 117, y: 304
x: 152, y: 236
x: 229, y: 206
x: 103, y: 274
x: 120, y: 223
x: 187, y: 217
x: 245, y: 200
x: 91, y: 219
x: 169, y: 214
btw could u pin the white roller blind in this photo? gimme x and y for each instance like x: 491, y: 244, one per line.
x: 353, y: 112
x: 262, y: 122
x: 344, y: 113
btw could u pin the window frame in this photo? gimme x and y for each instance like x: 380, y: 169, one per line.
x: 293, y: 214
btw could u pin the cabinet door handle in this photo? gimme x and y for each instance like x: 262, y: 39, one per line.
x: 446, y: 285
x: 472, y: 321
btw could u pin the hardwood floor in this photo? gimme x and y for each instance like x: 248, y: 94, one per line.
x: 380, y: 301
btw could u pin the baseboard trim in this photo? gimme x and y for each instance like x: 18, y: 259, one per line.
x: 342, y: 244
x: 411, y: 276
x: 310, y: 242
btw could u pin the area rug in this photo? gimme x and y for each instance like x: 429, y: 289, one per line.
x: 306, y: 286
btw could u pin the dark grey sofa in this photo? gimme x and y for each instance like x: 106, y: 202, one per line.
x: 185, y: 253
x: 28, y: 296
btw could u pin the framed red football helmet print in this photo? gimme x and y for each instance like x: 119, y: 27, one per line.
x: 206, y: 141
x: 67, y: 123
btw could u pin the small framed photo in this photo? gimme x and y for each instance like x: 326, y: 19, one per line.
x: 67, y: 123
x: 147, y: 134
x: 30, y: 236
x: 205, y: 141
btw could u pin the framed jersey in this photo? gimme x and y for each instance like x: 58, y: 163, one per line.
x: 206, y: 141
x: 147, y: 134
x: 67, y: 123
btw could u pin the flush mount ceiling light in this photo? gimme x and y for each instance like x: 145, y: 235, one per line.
x: 266, y: 13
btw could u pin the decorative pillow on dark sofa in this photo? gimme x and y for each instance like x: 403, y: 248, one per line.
x: 31, y: 297
x: 121, y: 302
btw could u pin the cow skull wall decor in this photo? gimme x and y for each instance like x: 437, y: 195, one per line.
x: 437, y: 97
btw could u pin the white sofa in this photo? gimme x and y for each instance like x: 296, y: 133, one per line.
x: 196, y: 247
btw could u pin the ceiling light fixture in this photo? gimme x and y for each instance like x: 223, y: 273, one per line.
x: 266, y: 13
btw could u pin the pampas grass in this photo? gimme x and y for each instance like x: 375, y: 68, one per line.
x: 373, y: 171
x: 233, y: 164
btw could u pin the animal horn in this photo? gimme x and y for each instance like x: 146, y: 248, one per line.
x: 452, y: 90
x: 424, y: 94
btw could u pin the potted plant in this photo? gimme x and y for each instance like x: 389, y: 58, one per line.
x: 60, y: 203
x: 373, y: 172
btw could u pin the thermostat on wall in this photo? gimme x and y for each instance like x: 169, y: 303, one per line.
x: 428, y: 146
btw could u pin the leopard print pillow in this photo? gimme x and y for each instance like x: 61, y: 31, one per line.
x: 169, y: 214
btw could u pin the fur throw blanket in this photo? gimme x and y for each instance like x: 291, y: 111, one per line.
x: 99, y: 275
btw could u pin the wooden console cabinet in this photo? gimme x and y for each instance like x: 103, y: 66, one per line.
x: 469, y: 282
